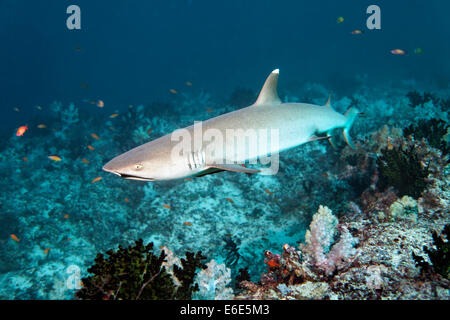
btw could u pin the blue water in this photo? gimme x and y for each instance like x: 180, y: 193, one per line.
x: 129, y: 54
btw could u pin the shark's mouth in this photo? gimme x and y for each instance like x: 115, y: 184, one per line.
x: 131, y: 177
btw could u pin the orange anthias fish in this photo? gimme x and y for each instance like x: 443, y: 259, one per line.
x: 167, y: 206
x: 187, y: 223
x: 21, y: 130
x: 91, y: 147
x: 268, y: 191
x: 100, y: 104
x: 229, y: 200
x: 356, y: 32
x: 46, y: 250
x: 96, y: 179
x: 126, y: 200
x: 114, y: 115
x: 272, y: 263
x: 85, y: 160
x: 93, y: 135
x: 189, y: 84
x: 399, y: 52
x: 173, y: 91
x: 15, y: 238
x: 25, y: 159
x: 55, y: 158
x: 42, y: 126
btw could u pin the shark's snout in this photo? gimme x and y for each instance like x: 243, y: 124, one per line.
x: 108, y: 168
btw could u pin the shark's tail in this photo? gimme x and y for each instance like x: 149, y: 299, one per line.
x: 350, y: 114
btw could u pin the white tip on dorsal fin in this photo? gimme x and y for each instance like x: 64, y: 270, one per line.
x: 269, y: 93
x: 328, y: 104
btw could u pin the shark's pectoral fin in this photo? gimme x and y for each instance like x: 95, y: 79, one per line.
x: 233, y: 167
x: 331, y: 139
x: 316, y: 138
x: 268, y: 94
x: 208, y: 171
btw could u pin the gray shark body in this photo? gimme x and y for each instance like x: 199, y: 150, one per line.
x: 295, y: 124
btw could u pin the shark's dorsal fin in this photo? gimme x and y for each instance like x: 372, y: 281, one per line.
x: 268, y: 94
x: 328, y: 104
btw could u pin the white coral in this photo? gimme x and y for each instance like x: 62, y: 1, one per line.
x: 213, y: 282
x: 320, y: 237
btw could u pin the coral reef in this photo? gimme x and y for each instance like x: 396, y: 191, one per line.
x: 402, y: 169
x: 248, y: 224
x: 135, y: 273
x: 434, y: 130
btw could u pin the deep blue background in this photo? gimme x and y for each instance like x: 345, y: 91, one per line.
x: 135, y: 51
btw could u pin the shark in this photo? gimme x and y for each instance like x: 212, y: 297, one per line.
x: 177, y: 155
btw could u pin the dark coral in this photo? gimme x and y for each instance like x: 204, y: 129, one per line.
x: 135, y: 273
x: 186, y: 274
x: 417, y: 99
x: 402, y: 170
x: 440, y: 257
x: 232, y: 249
x: 432, y: 130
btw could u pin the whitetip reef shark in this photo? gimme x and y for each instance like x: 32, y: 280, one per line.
x: 295, y: 124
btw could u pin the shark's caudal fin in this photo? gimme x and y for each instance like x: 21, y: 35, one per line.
x: 350, y: 114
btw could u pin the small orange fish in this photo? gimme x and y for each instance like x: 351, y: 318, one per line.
x: 14, y: 237
x: 167, y: 206
x: 69, y: 239
x: 398, y: 52
x: 93, y: 135
x: 25, y: 159
x: 46, y: 250
x: 54, y: 158
x: 85, y: 160
x: 91, y: 147
x: 187, y: 223
x: 189, y: 84
x: 229, y: 200
x: 272, y: 263
x: 100, y: 104
x: 268, y: 191
x: 21, y: 130
x: 356, y: 32
x: 66, y: 216
x: 96, y: 179
x: 188, y: 179
x: 113, y: 115
x: 42, y: 126
x: 173, y: 91
x: 126, y: 200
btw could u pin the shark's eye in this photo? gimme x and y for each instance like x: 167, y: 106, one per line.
x: 138, y: 166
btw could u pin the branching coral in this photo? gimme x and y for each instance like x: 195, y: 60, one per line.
x: 135, y: 273
x: 320, y: 237
x: 439, y: 255
x: 213, y: 281
x: 434, y: 130
x: 402, y: 169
